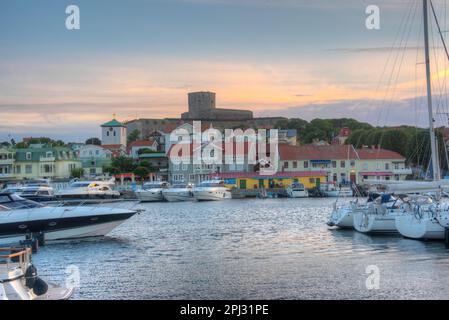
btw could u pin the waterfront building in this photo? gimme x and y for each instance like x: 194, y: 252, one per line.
x: 6, y: 163
x: 344, y: 163
x: 136, y: 147
x: 376, y: 164
x: 159, y: 163
x: 254, y: 180
x: 45, y: 162
x: 94, y: 159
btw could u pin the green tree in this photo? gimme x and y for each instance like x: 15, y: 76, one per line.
x: 133, y: 135
x: 121, y: 165
x: 94, y: 141
x: 77, y: 173
x: 141, y: 172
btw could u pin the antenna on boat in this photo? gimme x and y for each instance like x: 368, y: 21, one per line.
x: 435, y: 162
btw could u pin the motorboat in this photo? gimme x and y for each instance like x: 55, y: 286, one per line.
x: 22, y: 219
x: 211, y: 190
x: 379, y: 214
x: 179, y: 192
x: 19, y: 279
x: 152, y: 191
x: 331, y: 189
x: 89, y: 190
x: 297, y: 190
x: 37, y: 193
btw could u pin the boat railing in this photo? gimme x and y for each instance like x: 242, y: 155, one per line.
x: 14, y: 257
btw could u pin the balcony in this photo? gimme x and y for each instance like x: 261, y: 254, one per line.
x: 6, y: 175
x: 6, y: 161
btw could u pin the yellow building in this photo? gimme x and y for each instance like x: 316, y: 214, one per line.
x: 251, y: 181
x: 45, y: 162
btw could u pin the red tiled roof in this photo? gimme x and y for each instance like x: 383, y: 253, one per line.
x: 141, y: 143
x: 312, y: 152
x: 373, y: 154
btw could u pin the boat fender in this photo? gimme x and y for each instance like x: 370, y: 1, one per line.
x: 30, y: 276
x: 40, y: 287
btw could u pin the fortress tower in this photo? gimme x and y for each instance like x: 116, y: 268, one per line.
x: 202, y: 107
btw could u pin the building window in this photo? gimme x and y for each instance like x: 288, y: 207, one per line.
x: 334, y: 164
x: 312, y: 180
x: 342, y: 164
x: 28, y: 156
x: 28, y: 169
x: 295, y: 164
x: 185, y: 167
x: 285, y: 164
x: 176, y: 167
x: 387, y: 166
x: 365, y: 166
x: 306, y: 164
x: 107, y: 133
x: 352, y: 163
x: 19, y: 169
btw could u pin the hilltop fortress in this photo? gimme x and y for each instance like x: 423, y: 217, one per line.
x: 202, y: 106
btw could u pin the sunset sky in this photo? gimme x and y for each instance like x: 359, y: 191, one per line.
x: 140, y: 58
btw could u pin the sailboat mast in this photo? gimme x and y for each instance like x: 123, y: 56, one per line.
x: 435, y: 162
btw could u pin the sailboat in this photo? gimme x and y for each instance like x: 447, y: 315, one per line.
x: 426, y: 221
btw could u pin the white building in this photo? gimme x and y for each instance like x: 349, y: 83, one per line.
x: 114, y: 133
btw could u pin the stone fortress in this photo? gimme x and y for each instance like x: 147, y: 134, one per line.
x: 202, y: 107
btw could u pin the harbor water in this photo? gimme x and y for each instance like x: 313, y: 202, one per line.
x: 245, y: 249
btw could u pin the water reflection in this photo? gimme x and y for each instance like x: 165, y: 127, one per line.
x: 243, y: 249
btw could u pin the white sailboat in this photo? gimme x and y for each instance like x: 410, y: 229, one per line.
x: 426, y: 222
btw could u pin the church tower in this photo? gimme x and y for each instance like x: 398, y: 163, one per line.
x: 113, y: 132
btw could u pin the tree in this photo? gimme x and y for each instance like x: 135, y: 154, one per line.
x: 133, y: 135
x: 141, y: 172
x: 145, y: 151
x: 77, y: 173
x: 121, y: 165
x: 94, y: 141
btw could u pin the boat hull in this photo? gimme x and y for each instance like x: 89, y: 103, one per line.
x: 375, y: 223
x: 414, y: 228
x: 342, y: 218
x: 214, y: 195
x: 150, y: 196
x: 70, y: 226
x: 178, y: 196
x: 297, y: 194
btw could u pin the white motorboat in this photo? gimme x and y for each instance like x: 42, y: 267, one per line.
x: 179, y: 192
x: 89, y: 190
x: 297, y: 190
x: 22, y: 219
x: 152, y: 191
x: 330, y: 189
x: 19, y: 279
x: 211, y: 190
x: 38, y: 193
